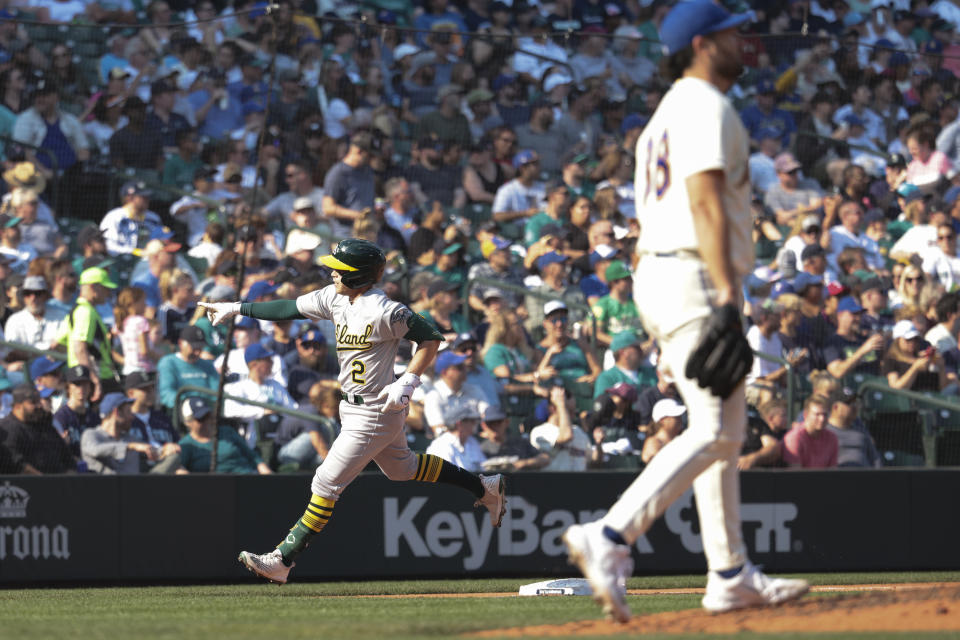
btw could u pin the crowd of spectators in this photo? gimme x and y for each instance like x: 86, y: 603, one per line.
x: 488, y: 148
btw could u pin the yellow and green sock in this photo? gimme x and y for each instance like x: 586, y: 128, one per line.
x: 312, y: 522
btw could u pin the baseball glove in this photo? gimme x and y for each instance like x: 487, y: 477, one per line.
x: 723, y: 356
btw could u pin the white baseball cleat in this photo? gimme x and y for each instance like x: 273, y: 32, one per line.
x: 749, y: 588
x: 493, y: 499
x: 605, y: 564
x: 269, y: 565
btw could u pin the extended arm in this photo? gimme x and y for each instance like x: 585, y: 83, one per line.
x: 220, y: 312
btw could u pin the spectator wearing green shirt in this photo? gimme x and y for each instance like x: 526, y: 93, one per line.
x: 179, y: 169
x: 233, y: 454
x: 442, y: 313
x: 627, y: 358
x: 508, y: 355
x: 184, y: 367
x: 215, y: 337
x: 616, y: 311
x: 554, y: 212
x: 447, y: 123
x: 573, y: 360
x: 87, y: 338
x: 449, y: 264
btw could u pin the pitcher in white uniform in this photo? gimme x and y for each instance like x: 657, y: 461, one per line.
x: 374, y: 404
x: 693, y: 204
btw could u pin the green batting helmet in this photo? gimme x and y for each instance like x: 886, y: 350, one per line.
x: 357, y: 261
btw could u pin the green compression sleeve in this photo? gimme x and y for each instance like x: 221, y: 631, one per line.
x: 420, y: 330
x: 273, y: 310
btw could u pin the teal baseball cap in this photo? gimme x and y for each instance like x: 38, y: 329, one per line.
x: 623, y: 340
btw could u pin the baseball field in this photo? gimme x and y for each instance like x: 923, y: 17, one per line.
x: 862, y: 605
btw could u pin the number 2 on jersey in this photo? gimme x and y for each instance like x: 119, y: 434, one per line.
x: 657, y: 167
x: 358, y: 370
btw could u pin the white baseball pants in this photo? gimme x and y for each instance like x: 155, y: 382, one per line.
x: 674, y: 295
x: 366, y: 435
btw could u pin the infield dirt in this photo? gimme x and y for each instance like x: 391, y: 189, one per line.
x: 914, y: 607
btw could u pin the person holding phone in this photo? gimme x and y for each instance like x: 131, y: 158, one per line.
x: 911, y: 363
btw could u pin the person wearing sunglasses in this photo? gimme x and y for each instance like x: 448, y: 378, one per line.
x: 942, y: 262
x: 849, y: 215
x: 792, y: 195
x: 573, y: 360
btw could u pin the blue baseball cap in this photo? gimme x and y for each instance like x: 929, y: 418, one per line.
x: 252, y: 107
x: 633, y: 121
x: 313, y: 335
x: 43, y: 366
x: 502, y: 81
x: 447, y: 359
x: 853, y: 120
x: 696, y: 18
x: 161, y: 233
x: 256, y: 351
x: 525, y: 157
x: 804, y: 280
x: 779, y: 288
x: 246, y: 322
x: 259, y: 289
x: 111, y: 401
x: 850, y: 304
x: 769, y: 132
x: 549, y: 258
x: 898, y: 59
x: 259, y: 10
x: 765, y: 85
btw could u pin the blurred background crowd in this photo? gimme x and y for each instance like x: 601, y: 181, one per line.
x: 155, y: 152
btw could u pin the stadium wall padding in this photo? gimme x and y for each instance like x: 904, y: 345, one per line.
x: 142, y: 528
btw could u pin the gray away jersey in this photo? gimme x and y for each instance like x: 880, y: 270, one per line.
x: 368, y: 334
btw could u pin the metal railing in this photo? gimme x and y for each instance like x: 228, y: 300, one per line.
x: 791, y: 409
x: 929, y: 430
x: 182, y: 391
x: 523, y: 291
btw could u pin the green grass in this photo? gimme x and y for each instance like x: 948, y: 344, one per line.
x: 330, y: 610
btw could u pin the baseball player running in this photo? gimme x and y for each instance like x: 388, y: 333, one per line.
x: 693, y: 197
x: 374, y: 403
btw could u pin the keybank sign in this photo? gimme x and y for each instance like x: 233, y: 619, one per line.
x: 22, y: 540
x: 525, y: 530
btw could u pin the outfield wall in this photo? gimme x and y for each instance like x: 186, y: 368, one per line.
x: 169, y: 528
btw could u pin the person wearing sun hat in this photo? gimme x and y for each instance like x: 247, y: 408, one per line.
x: 86, y: 336
x: 24, y: 175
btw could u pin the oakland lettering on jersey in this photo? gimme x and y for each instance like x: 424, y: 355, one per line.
x: 347, y: 341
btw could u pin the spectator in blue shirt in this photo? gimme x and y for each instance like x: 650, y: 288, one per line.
x: 764, y: 114
x: 218, y: 110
